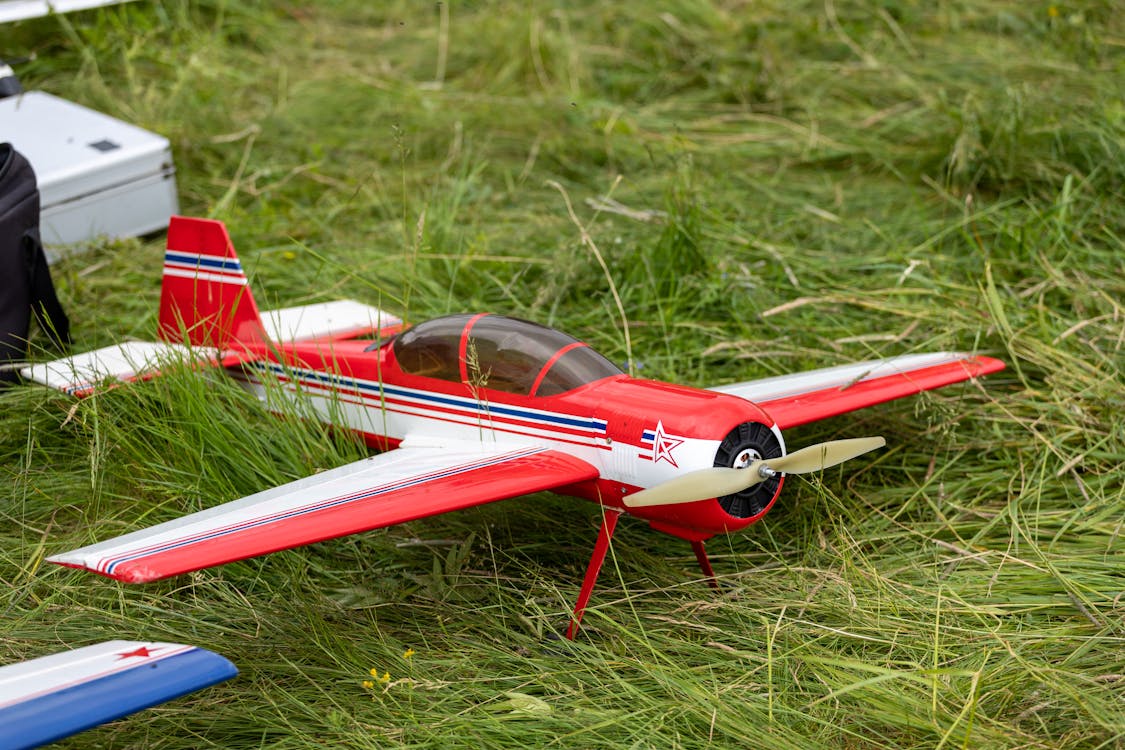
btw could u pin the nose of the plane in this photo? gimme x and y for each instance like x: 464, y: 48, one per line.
x: 746, y: 443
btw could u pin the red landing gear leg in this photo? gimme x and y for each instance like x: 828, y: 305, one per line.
x: 609, y: 523
x: 705, y: 564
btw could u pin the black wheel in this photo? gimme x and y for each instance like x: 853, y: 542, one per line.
x: 748, y: 442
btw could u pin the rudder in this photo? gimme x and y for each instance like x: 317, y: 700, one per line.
x: 205, y: 297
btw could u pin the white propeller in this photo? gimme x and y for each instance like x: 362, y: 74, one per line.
x: 719, y: 481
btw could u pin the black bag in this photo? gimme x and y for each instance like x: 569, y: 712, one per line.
x: 9, y: 84
x: 25, y: 281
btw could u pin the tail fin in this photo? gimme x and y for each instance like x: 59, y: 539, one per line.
x: 205, y: 296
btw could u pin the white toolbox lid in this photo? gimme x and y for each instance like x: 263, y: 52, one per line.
x: 16, y: 10
x: 76, y: 151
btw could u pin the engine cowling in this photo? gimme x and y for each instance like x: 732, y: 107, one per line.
x: 746, y: 443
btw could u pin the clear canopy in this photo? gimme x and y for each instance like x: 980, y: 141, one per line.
x: 501, y: 353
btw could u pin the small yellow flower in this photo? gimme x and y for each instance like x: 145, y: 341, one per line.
x: 408, y: 653
x: 1053, y: 11
x: 386, y: 677
x: 368, y: 684
x: 374, y: 671
x: 289, y: 255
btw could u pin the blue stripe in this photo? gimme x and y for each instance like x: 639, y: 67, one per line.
x: 202, y: 261
x: 72, y: 709
x: 296, y: 512
x: 598, y: 425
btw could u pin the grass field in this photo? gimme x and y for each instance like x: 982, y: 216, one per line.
x: 774, y: 186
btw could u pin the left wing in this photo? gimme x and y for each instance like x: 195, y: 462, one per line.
x: 52, y: 697
x: 804, y: 397
x: 401, y: 485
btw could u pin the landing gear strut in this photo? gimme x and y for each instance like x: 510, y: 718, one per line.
x: 597, y: 559
x: 601, y: 547
x: 705, y: 564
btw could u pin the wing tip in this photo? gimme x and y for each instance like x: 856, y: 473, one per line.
x: 63, y: 560
x: 123, y: 574
x: 984, y: 365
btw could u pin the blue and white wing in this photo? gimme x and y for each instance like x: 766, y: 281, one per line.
x: 46, y: 699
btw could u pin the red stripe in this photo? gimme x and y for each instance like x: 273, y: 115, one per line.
x: 551, y: 361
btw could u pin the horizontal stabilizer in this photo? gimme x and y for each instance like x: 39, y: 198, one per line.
x: 341, y: 319
x: 805, y: 397
x: 80, y: 374
x: 393, y: 487
x: 46, y: 699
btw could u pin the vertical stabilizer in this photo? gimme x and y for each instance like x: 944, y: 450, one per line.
x: 205, y: 298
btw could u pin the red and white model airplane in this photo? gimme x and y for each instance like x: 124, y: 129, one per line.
x: 469, y: 409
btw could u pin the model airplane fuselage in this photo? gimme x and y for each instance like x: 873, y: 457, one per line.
x: 470, y: 409
x: 463, y: 376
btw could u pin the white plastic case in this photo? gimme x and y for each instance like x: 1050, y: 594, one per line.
x: 97, y: 175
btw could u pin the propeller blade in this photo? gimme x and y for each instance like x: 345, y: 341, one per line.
x: 696, y: 485
x: 824, y: 455
x: 720, y: 481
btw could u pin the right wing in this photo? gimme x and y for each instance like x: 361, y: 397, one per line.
x: 401, y: 485
x: 336, y: 321
x: 46, y: 699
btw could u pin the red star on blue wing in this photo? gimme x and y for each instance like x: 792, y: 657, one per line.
x: 141, y: 651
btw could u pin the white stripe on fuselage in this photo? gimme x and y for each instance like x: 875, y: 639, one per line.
x: 197, y: 275
x: 399, y: 413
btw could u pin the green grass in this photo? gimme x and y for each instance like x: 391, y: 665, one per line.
x: 811, y: 184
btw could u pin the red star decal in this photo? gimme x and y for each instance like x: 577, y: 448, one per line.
x: 141, y: 651
x: 662, y: 446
